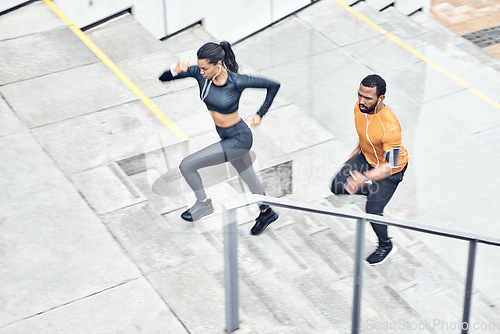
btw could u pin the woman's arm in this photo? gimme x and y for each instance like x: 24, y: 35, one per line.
x: 246, y: 81
x: 179, y: 71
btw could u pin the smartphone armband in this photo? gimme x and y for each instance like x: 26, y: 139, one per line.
x: 392, y: 157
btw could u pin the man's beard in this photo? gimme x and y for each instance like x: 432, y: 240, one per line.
x: 368, y: 111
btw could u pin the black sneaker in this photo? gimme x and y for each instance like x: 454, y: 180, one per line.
x: 198, y: 211
x: 381, y: 254
x: 263, y: 220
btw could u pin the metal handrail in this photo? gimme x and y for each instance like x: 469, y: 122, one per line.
x: 231, y: 251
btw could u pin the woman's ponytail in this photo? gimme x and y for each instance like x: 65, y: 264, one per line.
x: 229, y: 57
x: 215, y: 52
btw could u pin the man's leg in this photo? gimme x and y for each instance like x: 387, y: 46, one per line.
x: 380, y: 193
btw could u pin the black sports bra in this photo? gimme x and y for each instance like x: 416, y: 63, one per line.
x: 225, y: 99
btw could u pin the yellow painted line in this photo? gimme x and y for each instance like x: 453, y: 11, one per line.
x: 98, y: 52
x: 485, y: 97
x: 420, y: 55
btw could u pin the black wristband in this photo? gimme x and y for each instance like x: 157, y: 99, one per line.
x: 166, y: 76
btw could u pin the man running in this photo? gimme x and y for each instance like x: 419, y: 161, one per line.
x: 377, y: 165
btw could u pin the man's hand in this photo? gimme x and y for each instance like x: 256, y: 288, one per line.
x: 354, y: 182
x: 255, y: 121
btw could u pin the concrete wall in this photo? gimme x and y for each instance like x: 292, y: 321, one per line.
x: 224, y: 19
x: 8, y: 4
x: 411, y: 6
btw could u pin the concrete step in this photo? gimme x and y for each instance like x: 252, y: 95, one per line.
x: 58, y: 50
x: 284, y: 303
x: 380, y: 4
x: 185, y: 43
x: 140, y: 56
x: 20, y: 22
x: 124, y: 38
x: 150, y: 242
x: 193, y: 294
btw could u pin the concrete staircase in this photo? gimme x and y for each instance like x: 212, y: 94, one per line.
x: 294, y: 278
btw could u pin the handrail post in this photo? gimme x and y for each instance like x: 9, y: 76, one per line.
x: 468, y: 286
x: 358, y: 275
x: 231, y: 268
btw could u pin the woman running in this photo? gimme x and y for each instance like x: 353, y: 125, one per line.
x: 221, y: 87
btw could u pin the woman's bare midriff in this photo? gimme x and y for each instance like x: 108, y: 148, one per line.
x: 225, y: 120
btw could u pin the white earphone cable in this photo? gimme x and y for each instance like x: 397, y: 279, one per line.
x: 204, y: 93
x: 368, y: 137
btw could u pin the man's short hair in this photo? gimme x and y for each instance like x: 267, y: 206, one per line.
x: 374, y: 80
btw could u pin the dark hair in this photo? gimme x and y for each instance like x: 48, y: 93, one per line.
x: 374, y: 80
x: 215, y: 52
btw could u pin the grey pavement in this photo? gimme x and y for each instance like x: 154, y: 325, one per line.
x: 91, y: 239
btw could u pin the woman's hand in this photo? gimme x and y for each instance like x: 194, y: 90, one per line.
x: 181, y: 66
x: 255, y: 121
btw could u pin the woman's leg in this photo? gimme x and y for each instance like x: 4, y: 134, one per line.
x: 243, y: 163
x: 245, y: 168
x: 236, y: 146
x: 209, y: 156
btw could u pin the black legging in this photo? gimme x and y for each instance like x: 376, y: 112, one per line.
x: 378, y: 194
x: 234, y: 147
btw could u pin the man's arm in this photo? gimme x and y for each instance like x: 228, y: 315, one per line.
x: 357, y: 179
x: 381, y: 172
x: 354, y: 153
